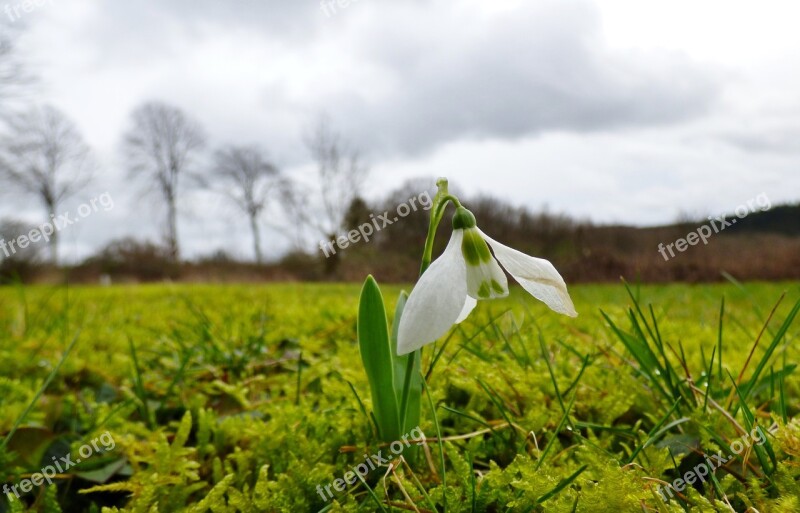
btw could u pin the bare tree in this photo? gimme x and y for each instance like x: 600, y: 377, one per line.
x: 250, y: 181
x: 341, y: 172
x: 10, y: 68
x: 44, y: 155
x: 161, y: 146
x: 15, y: 80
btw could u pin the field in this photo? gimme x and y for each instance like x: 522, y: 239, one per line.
x: 253, y: 398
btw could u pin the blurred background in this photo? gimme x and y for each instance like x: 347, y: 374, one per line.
x: 209, y: 141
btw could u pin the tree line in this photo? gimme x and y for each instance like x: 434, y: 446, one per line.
x: 45, y: 158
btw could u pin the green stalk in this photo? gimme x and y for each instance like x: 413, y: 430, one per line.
x: 440, y: 202
x: 436, y: 216
x: 407, y: 389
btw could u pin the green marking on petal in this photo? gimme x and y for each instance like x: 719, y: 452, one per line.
x: 474, y: 248
x: 483, y: 291
x: 497, y: 287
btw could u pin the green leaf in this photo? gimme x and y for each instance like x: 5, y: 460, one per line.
x: 103, y: 474
x: 376, y: 355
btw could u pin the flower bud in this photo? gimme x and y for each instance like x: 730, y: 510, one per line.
x: 463, y: 219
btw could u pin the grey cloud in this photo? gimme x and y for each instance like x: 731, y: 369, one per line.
x: 539, y: 68
x: 775, y: 139
x: 450, y: 72
x: 144, y: 30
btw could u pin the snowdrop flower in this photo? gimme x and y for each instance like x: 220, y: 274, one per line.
x: 448, y: 291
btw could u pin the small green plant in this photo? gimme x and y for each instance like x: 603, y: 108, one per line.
x: 448, y: 290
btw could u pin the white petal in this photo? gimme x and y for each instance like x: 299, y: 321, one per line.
x: 536, y: 275
x: 436, y: 301
x: 469, y: 305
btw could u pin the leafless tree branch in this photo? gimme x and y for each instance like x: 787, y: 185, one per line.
x: 249, y: 180
x: 160, y: 147
x: 15, y: 80
x: 44, y: 155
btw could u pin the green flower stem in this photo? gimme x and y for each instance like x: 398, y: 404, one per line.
x: 436, y: 217
x: 440, y: 203
x: 407, y: 389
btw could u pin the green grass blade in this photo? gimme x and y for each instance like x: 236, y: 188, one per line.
x: 299, y: 378
x: 496, y: 400
x: 138, y: 387
x: 440, y: 443
x: 719, y: 340
x: 468, y: 416
x: 643, y: 355
x: 38, y: 394
x: 562, y: 484
x: 776, y: 340
x: 750, y: 423
x: 371, y: 492
x: 585, y: 360
x: 657, y: 430
x: 546, y: 356
x: 782, y: 399
x: 360, y: 403
x: 559, y: 427
x: 709, y: 370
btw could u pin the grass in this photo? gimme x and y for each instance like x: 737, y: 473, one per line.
x: 253, y: 398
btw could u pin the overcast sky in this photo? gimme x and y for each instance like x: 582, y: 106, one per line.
x: 613, y: 110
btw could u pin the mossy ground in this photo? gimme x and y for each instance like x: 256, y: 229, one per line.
x: 246, y: 398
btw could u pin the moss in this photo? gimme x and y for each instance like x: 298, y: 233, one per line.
x: 222, y: 413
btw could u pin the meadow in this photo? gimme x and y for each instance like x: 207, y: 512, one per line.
x: 253, y: 398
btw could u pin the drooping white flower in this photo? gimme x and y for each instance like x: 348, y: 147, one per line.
x: 448, y: 291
